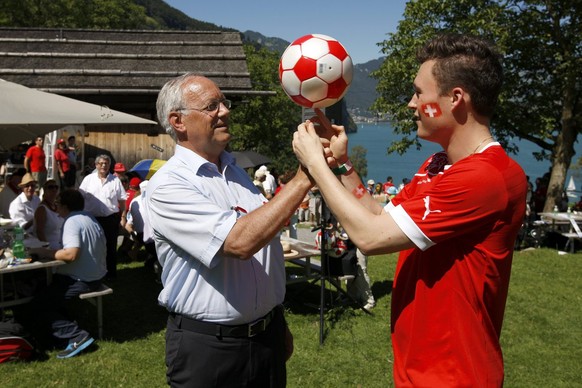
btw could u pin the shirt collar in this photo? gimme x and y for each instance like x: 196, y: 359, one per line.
x: 191, y: 158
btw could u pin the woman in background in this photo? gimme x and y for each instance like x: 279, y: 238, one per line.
x: 48, y: 223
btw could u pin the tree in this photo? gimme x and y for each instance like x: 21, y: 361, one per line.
x: 112, y: 14
x: 265, y: 122
x: 359, y: 161
x: 542, y: 56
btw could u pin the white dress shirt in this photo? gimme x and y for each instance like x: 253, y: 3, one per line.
x: 102, y: 197
x: 192, y: 208
x: 22, y: 210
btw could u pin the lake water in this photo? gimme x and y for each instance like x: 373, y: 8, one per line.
x: 376, y: 138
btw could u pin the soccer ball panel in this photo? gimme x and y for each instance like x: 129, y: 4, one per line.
x: 305, y: 68
x: 314, y: 48
x: 347, y: 70
x: 314, y: 89
x: 291, y: 84
x: 337, y: 88
x: 338, y: 50
x: 290, y: 57
x: 329, y: 68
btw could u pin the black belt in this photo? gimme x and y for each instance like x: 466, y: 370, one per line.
x: 247, y: 330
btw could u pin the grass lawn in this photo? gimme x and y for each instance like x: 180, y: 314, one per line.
x: 541, y: 338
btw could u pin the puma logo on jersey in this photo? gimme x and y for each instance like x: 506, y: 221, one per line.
x: 427, y: 208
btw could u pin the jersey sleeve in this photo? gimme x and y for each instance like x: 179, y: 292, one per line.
x: 459, y: 204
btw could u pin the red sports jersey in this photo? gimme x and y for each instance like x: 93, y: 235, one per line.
x: 449, y: 294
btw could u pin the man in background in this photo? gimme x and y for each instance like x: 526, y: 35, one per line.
x: 35, y: 161
x: 73, y: 153
x: 84, y: 252
x: 105, y: 200
x: 10, y: 191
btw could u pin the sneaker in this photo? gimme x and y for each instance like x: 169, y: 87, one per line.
x: 369, y: 306
x: 76, y: 347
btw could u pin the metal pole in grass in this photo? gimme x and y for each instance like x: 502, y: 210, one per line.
x: 326, y: 274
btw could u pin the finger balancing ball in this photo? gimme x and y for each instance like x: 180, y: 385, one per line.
x: 315, y: 71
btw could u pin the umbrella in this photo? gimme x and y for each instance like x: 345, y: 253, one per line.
x: 26, y: 113
x: 248, y: 159
x: 147, y: 167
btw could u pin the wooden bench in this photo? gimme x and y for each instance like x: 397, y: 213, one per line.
x: 95, y: 299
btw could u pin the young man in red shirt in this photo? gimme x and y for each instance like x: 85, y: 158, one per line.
x: 35, y: 162
x: 455, y: 223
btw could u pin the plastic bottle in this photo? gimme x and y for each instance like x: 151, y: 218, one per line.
x: 555, y: 209
x: 18, y: 247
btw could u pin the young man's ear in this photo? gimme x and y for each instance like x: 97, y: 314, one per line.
x: 457, y: 94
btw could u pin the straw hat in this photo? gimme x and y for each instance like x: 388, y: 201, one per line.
x: 26, y: 179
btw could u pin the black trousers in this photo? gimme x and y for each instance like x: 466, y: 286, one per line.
x: 201, y: 360
x: 110, y: 225
x: 48, y: 313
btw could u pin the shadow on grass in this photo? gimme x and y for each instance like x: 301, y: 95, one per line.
x: 382, y: 289
x: 132, y: 311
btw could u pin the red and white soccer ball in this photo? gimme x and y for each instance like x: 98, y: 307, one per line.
x: 315, y: 71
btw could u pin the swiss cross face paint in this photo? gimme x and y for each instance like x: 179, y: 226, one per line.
x: 432, y: 110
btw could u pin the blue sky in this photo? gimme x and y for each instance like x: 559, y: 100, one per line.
x: 359, y: 26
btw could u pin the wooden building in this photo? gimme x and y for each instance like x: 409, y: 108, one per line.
x: 124, y: 70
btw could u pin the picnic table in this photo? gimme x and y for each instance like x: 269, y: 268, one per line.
x: 565, y: 223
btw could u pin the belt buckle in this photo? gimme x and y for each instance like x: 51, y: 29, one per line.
x: 260, y: 324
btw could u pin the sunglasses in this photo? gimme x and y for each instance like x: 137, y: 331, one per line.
x: 52, y: 187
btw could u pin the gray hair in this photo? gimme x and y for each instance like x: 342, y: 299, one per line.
x: 171, y: 98
x: 103, y: 157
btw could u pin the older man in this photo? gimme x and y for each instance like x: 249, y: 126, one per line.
x: 217, y: 239
x: 25, y: 204
x: 105, y: 200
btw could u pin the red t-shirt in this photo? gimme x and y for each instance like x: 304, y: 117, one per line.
x: 62, y: 157
x: 448, y: 301
x: 37, y: 159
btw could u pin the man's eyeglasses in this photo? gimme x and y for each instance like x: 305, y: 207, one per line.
x: 212, y: 107
x: 33, y: 185
x: 102, y: 163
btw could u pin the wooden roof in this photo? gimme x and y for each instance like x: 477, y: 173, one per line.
x: 123, y: 69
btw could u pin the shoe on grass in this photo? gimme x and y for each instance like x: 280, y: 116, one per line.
x: 76, y: 347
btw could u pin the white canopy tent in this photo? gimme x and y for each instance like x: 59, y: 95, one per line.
x: 26, y: 113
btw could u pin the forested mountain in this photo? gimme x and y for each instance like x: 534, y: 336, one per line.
x: 171, y: 18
